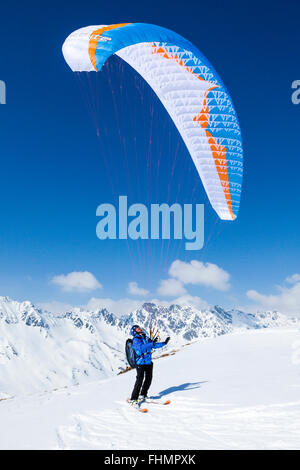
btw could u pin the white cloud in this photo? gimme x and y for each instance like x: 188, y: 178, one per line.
x: 191, y: 301
x: 123, y: 306
x: 82, y: 281
x: 287, y: 301
x: 134, y: 289
x: 55, y: 306
x: 171, y: 288
x: 293, y: 279
x: 196, y: 272
x: 118, y: 307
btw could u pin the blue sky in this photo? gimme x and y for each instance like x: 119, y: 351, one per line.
x: 55, y: 170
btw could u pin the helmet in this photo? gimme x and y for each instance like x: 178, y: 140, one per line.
x: 133, y: 329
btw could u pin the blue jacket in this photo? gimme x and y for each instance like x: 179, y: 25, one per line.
x: 143, y: 347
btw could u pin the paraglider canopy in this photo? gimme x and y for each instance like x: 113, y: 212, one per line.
x: 189, y: 88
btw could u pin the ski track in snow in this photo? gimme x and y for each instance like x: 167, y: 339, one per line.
x: 186, y: 424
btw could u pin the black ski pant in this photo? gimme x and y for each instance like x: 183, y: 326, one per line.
x: 142, y: 372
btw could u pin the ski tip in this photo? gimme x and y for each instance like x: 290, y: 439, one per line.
x: 137, y: 406
x: 167, y: 402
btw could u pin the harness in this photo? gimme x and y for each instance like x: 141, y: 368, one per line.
x: 141, y: 356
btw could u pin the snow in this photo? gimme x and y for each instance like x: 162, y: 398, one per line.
x: 235, y: 391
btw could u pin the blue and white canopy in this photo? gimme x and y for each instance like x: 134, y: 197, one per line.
x: 189, y: 88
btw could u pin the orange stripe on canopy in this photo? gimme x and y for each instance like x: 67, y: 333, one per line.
x: 94, y: 38
x: 217, y: 150
x: 169, y: 55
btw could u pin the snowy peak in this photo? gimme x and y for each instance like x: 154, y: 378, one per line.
x: 12, y: 311
x: 186, y: 323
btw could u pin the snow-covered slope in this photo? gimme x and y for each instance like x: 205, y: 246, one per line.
x: 42, y: 351
x: 235, y: 391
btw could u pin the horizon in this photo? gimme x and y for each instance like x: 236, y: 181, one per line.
x: 57, y: 308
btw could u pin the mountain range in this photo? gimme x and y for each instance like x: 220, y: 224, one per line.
x: 40, y: 350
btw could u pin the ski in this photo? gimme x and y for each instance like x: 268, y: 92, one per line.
x: 156, y: 401
x: 137, y: 406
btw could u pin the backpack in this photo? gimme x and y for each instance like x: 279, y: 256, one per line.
x: 130, y: 353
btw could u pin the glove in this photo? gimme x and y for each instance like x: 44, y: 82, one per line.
x: 167, y: 340
x: 155, y: 340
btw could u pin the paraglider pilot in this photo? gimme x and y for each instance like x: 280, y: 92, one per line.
x: 143, y: 346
